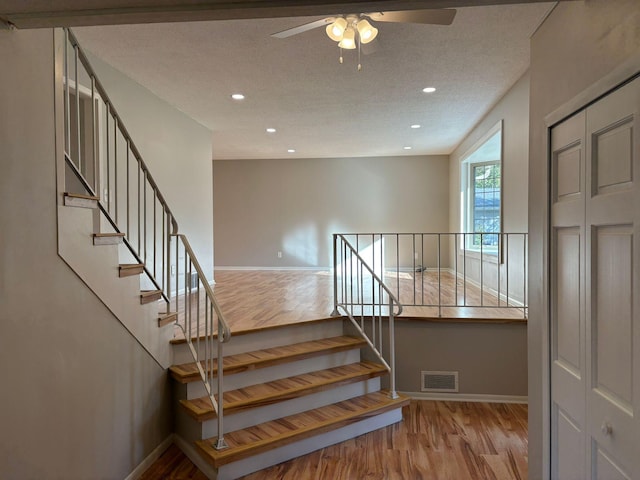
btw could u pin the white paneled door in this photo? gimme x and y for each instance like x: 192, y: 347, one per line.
x: 595, y: 290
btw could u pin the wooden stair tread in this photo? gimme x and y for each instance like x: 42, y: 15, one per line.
x: 241, y: 362
x: 283, y: 389
x: 148, y: 296
x: 126, y: 266
x: 283, y: 431
x: 111, y: 234
x: 129, y: 269
x: 81, y: 195
x: 167, y: 318
x: 112, y: 238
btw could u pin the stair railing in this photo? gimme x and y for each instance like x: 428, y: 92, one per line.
x: 362, y: 296
x: 103, y: 162
x: 450, y: 273
x: 196, y: 305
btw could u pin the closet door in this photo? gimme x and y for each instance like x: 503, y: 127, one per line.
x: 613, y: 284
x: 568, y: 320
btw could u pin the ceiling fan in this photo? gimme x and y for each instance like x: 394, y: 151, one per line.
x: 354, y: 30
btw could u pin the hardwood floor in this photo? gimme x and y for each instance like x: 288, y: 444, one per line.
x: 434, y: 441
x: 173, y: 464
x: 257, y: 299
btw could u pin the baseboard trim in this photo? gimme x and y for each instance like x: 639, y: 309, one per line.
x: 514, y: 302
x: 467, y: 397
x: 152, y: 457
x: 302, y: 269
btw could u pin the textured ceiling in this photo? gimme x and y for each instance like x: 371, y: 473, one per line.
x: 319, y: 107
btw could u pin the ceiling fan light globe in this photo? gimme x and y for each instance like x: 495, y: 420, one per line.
x: 336, y: 29
x: 366, y: 31
x: 348, y: 41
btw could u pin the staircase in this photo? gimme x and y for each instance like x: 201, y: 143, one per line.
x: 286, y: 391
x: 283, y: 400
x: 98, y: 256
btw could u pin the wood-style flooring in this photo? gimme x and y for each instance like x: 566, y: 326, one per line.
x: 434, y: 441
x: 263, y: 298
x: 173, y: 464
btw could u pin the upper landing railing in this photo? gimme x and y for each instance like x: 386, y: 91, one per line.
x: 445, y: 274
x: 102, y: 161
x: 370, y: 305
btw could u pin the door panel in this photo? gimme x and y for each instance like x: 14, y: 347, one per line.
x: 595, y: 290
x: 613, y: 316
x: 568, y: 166
x: 611, y: 320
x: 568, y: 369
x: 613, y: 154
x: 567, y: 327
x: 606, y: 468
x: 570, y: 448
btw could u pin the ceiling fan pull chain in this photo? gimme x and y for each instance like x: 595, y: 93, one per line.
x: 359, y: 47
x: 341, y: 60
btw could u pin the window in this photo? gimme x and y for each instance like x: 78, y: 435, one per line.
x: 481, y: 191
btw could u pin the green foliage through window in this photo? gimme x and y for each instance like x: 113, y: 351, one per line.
x: 482, y: 186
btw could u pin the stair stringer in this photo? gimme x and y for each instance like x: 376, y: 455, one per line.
x: 97, y: 267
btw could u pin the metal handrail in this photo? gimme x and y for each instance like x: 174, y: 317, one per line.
x: 108, y: 217
x: 371, y: 272
x: 105, y: 97
x: 144, y: 186
x: 359, y: 306
x: 484, y: 267
x: 202, y: 349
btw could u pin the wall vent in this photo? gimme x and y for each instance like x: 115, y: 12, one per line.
x: 439, y: 381
x: 192, y: 281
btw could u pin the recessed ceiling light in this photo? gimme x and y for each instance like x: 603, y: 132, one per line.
x: 291, y: 150
x: 415, y: 125
x: 271, y: 130
x: 429, y: 89
x: 407, y: 148
x: 237, y: 96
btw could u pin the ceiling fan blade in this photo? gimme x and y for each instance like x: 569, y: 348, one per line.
x: 443, y: 16
x: 303, y: 28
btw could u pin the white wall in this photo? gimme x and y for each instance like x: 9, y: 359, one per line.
x: 490, y: 358
x: 578, y: 45
x: 294, y: 205
x: 513, y: 110
x: 80, y: 398
x: 177, y: 151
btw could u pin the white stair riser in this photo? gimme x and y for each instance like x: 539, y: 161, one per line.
x: 290, y: 407
x: 268, y: 374
x: 268, y: 338
x: 80, y: 202
x: 308, y: 445
x: 191, y: 429
x: 107, y: 240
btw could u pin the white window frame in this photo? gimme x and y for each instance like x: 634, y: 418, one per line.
x: 467, y: 163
